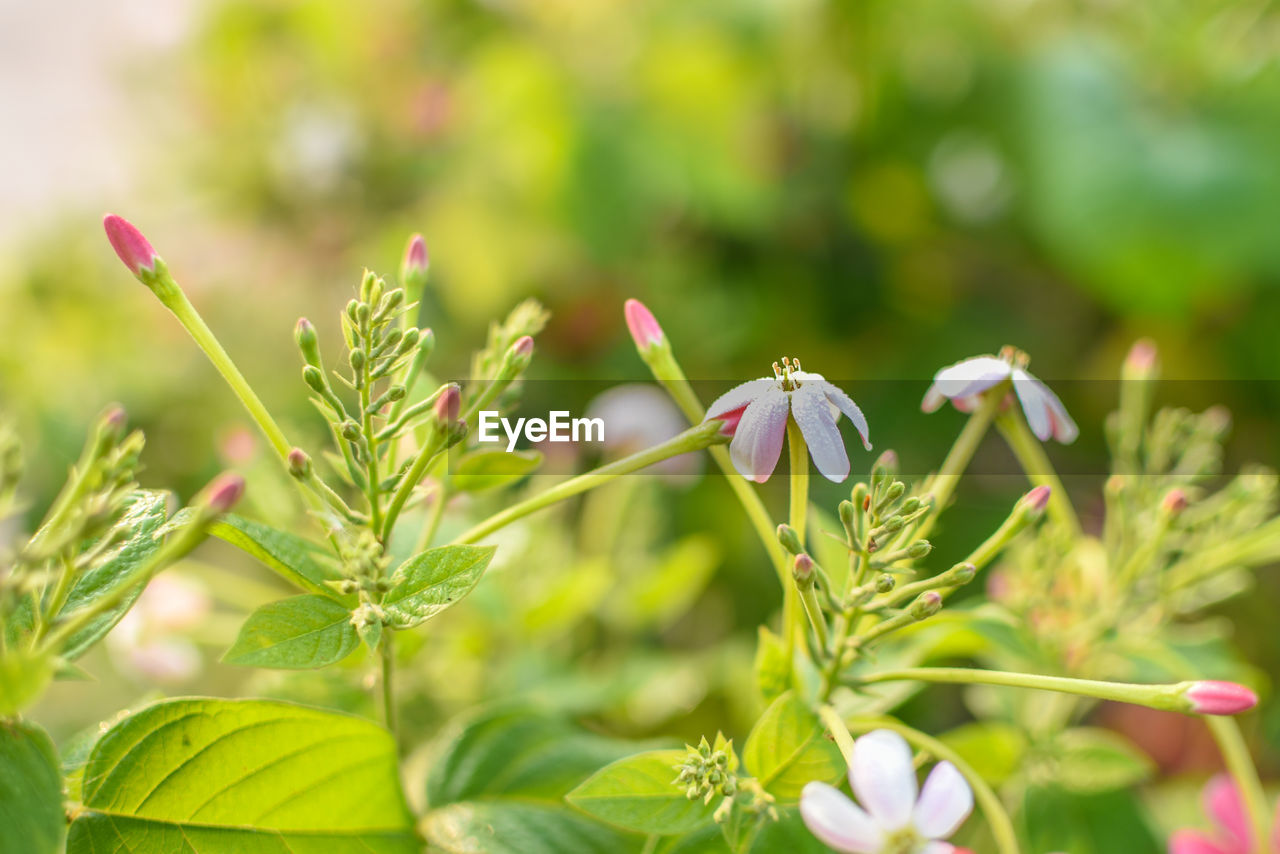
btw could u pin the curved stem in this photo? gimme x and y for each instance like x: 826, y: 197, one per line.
x: 693, y: 439
x: 998, y: 820
x: 411, y: 479
x: 388, y: 687
x: 944, y: 483
x: 1168, y: 697
x: 1035, y: 463
x: 1235, y: 753
x: 792, y: 606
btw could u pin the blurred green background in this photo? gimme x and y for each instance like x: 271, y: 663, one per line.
x: 879, y: 187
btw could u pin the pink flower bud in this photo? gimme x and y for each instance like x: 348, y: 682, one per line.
x: 415, y: 255
x: 1141, y: 361
x: 223, y: 492
x: 1037, y: 499
x: 448, y: 404
x: 523, y: 348
x: 1174, y: 502
x: 644, y: 327
x: 299, y: 463
x: 134, y: 249
x: 802, y: 568
x: 1220, y: 698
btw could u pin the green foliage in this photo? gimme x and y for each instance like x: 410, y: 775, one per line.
x: 426, y: 584
x: 639, y: 793
x: 788, y: 748
x: 1091, y: 760
x: 23, y: 677
x: 297, y: 633
x: 294, y: 559
x: 244, y: 775
x: 31, y: 813
x: 488, y: 469
x: 1054, y: 819
x: 994, y: 749
x: 479, y: 827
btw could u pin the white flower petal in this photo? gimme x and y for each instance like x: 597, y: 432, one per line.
x: 884, y: 777
x: 739, y: 396
x: 970, y: 377
x: 818, y: 425
x: 838, y: 821
x: 1060, y: 423
x: 846, y: 405
x: 945, y: 802
x: 1032, y: 395
x: 938, y: 848
x: 757, y: 442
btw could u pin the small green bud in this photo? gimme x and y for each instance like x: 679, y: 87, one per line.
x: 308, y: 342
x: 789, y: 539
x: 353, y: 307
x: 846, y: 517
x: 893, y: 524
x: 910, y: 506
x: 926, y: 605
x: 963, y: 573
x: 350, y: 430
x: 299, y: 464
x: 885, y: 582
x: 362, y: 315
x: 314, y: 378
x: 356, y: 359
x: 919, y: 549
x: 891, y: 494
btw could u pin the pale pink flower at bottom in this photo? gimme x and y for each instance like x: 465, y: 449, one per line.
x: 1232, y: 834
x: 894, y: 817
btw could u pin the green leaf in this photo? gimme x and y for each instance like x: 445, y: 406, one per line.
x: 488, y: 469
x: 639, y: 793
x: 992, y: 748
x: 23, y: 677
x: 513, y: 751
x: 1098, y: 760
x: 203, y: 775
x: 291, y: 557
x: 427, y: 583
x: 295, y: 634
x: 772, y: 669
x: 31, y: 816
x: 147, y: 511
x: 1057, y: 820
x: 788, y: 748
x: 488, y: 827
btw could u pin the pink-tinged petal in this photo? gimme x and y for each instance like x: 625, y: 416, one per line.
x: 1194, y: 842
x: 884, y: 778
x: 838, y: 821
x: 223, y: 492
x: 1222, y: 802
x: 1032, y: 395
x: 845, y: 404
x: 970, y: 377
x: 739, y: 396
x: 936, y: 847
x: 415, y: 256
x: 818, y: 425
x: 1210, y: 697
x: 1061, y: 427
x: 644, y: 327
x: 731, y: 419
x: 933, y: 399
x: 945, y: 802
x: 757, y: 442
x: 134, y: 249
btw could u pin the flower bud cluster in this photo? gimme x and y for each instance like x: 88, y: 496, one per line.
x: 709, y: 771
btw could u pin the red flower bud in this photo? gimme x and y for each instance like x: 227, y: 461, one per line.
x: 1220, y: 698
x: 223, y: 492
x: 134, y: 249
x: 644, y: 327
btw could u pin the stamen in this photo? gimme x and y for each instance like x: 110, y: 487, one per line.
x: 777, y: 371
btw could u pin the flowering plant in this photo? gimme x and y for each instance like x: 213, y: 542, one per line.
x: 404, y: 514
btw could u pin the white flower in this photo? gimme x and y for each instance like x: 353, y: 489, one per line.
x: 894, y: 820
x: 963, y: 382
x: 755, y: 414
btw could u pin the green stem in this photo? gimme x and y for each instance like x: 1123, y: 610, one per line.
x: 428, y: 532
x: 998, y: 820
x: 1235, y: 753
x: 943, y: 484
x: 373, y: 488
x: 793, y: 609
x: 1035, y: 463
x: 1168, y: 697
x: 432, y: 447
x: 693, y: 439
x: 388, y: 687
x: 839, y: 731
